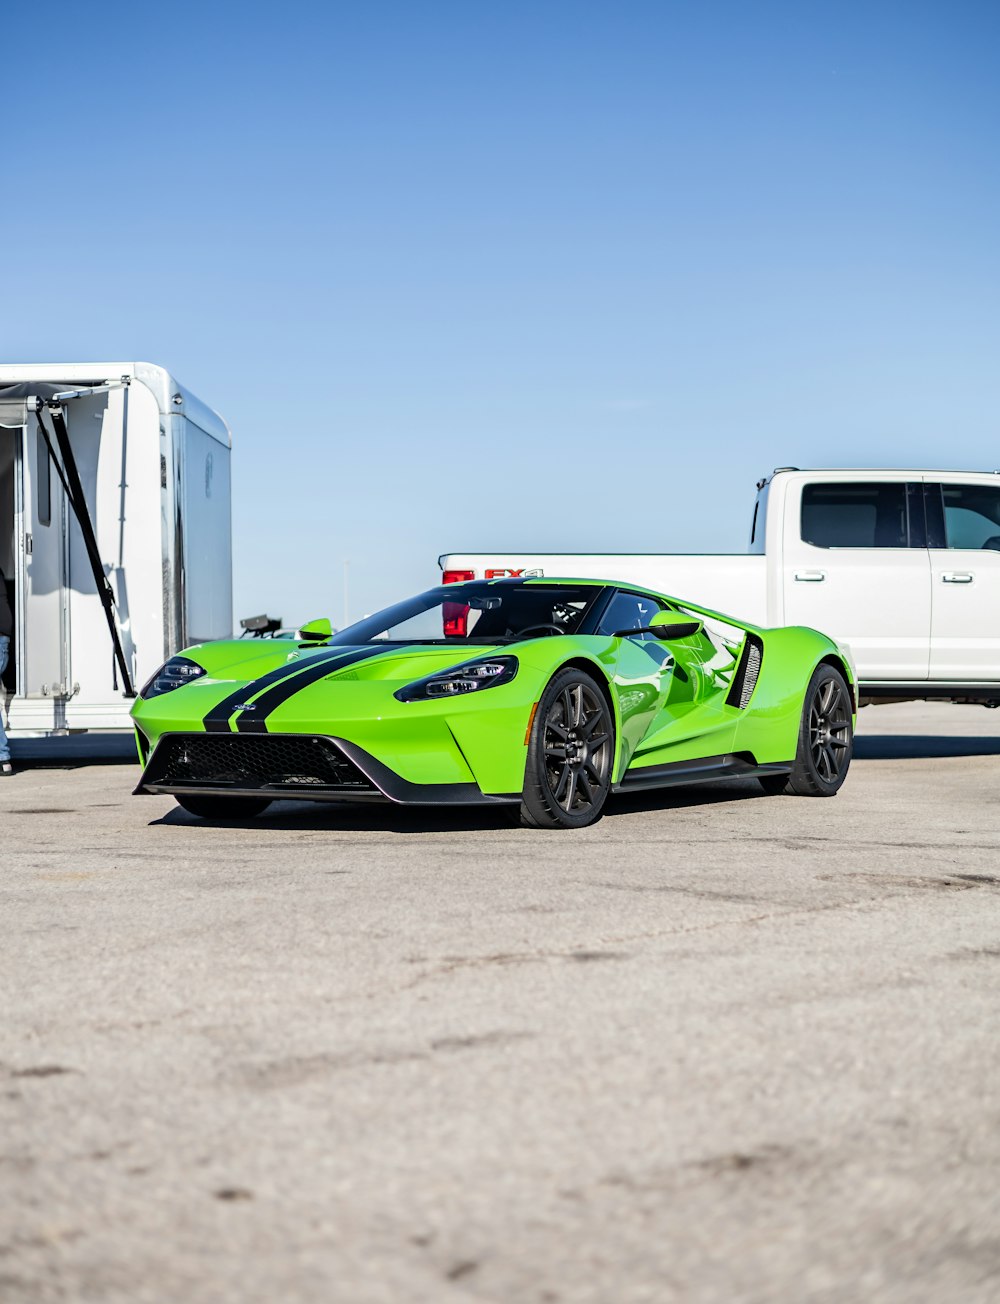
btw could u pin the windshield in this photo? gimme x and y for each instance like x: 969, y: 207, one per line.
x: 478, y: 614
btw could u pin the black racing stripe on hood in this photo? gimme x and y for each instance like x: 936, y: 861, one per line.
x: 256, y: 721
x: 217, y: 720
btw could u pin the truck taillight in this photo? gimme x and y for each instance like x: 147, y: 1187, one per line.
x: 456, y: 620
x: 456, y: 614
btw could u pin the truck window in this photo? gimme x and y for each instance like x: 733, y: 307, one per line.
x: 854, y: 515
x: 971, y: 516
x: 43, y: 474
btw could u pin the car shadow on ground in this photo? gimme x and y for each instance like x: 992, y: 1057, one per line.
x: 374, y: 817
x: 900, y: 747
x: 357, y: 817
x: 684, y: 798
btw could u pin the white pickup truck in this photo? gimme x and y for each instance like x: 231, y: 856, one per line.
x: 901, y: 566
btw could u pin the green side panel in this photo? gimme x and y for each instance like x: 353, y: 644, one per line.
x: 769, y: 728
x: 693, y: 719
x: 673, y: 701
x: 493, y: 744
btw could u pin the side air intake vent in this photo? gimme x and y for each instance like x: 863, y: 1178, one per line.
x: 747, y: 673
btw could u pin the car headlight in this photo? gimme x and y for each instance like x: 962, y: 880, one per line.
x: 174, y: 673
x: 472, y: 677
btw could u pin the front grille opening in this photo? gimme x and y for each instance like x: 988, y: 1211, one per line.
x: 285, y: 761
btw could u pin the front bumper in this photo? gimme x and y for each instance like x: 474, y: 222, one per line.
x: 291, y: 766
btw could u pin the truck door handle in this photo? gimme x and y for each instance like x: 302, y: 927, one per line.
x: 956, y: 577
x: 810, y: 577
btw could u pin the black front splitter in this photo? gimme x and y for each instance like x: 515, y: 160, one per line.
x: 385, y: 784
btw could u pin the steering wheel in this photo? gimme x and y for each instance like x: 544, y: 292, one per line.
x: 555, y: 629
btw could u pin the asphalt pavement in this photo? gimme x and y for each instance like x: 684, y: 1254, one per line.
x: 718, y: 1047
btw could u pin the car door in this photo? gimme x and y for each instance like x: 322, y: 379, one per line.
x: 855, y: 566
x: 963, y: 526
x: 672, y: 696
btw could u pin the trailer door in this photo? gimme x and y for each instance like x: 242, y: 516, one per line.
x: 42, y: 597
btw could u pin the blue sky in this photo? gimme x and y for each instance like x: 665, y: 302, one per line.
x: 562, y: 276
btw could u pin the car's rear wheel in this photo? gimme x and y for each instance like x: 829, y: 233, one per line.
x: 210, y: 807
x: 571, y: 751
x: 826, y: 740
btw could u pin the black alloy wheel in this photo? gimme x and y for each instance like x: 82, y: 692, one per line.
x: 208, y: 806
x: 826, y: 739
x: 570, y: 754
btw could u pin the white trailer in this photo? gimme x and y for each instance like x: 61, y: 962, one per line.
x: 115, y: 536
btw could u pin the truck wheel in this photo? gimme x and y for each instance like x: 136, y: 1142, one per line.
x: 826, y: 740
x: 570, y: 754
x: 222, y: 808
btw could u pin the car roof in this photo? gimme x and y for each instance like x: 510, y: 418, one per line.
x: 555, y: 581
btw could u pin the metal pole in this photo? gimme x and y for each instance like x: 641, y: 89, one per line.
x: 122, y: 487
x: 346, y: 589
x: 78, y: 502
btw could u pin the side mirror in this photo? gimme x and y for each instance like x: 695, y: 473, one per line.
x: 667, y: 626
x: 315, y: 631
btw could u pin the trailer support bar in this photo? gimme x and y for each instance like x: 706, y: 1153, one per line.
x: 70, y: 476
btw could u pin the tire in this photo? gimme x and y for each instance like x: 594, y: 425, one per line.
x: 826, y: 740
x: 222, y: 808
x: 571, y: 752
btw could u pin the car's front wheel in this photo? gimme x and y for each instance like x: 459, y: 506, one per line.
x: 826, y: 740
x: 571, y: 751
x: 210, y: 807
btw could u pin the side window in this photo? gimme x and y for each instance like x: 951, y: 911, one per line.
x: 628, y: 611
x: 43, y: 474
x: 854, y: 515
x: 971, y: 516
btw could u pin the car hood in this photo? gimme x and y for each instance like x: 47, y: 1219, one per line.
x: 365, y: 661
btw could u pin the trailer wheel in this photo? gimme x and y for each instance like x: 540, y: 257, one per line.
x: 223, y: 808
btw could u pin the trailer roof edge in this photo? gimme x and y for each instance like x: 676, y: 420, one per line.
x: 171, y: 396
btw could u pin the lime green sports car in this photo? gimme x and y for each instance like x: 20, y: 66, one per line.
x: 547, y: 695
